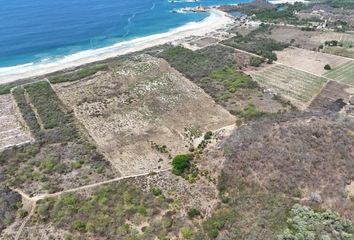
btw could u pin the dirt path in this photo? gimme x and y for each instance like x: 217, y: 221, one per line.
x: 18, y: 234
x: 239, y: 50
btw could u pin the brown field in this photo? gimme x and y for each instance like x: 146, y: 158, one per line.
x: 139, y: 106
x: 306, y: 39
x: 336, y: 97
x: 308, y: 61
x: 12, y: 131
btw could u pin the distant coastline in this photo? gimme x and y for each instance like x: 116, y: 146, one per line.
x: 216, y: 20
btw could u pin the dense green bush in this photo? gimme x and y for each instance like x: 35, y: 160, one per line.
x: 305, y: 223
x: 256, y: 61
x: 233, y: 80
x: 52, y: 113
x: 27, y: 112
x: 250, y: 112
x: 327, y: 67
x: 200, y: 63
x: 78, y: 74
x: 258, y: 45
x: 181, y: 163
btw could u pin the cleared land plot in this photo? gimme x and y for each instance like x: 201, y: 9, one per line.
x: 12, y: 131
x: 305, y: 39
x: 343, y: 73
x: 333, y: 97
x: 138, y: 107
x: 299, y: 87
x: 309, y: 61
x: 61, y: 157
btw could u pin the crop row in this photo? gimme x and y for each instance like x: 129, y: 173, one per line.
x: 290, y: 82
x: 344, y: 73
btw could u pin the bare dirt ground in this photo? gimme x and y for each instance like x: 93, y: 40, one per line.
x: 308, y: 61
x: 138, y: 107
x: 12, y: 131
x: 304, y: 39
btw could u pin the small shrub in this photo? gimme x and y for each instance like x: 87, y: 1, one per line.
x: 76, y: 165
x: 208, y: 135
x: 256, y: 61
x: 193, y: 212
x: 79, y: 225
x: 327, y: 67
x: 22, y: 213
x: 186, y: 233
x: 156, y: 191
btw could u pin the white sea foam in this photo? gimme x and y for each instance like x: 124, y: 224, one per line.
x: 215, y: 20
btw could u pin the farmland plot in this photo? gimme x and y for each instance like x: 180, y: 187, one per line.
x: 343, y: 73
x: 297, y: 86
x: 309, y: 61
x: 11, y: 131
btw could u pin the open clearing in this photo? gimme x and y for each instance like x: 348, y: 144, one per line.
x: 343, y: 73
x: 142, y: 112
x: 308, y: 61
x: 12, y: 132
x: 297, y: 86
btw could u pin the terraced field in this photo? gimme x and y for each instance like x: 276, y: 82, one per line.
x: 297, y: 86
x: 343, y: 73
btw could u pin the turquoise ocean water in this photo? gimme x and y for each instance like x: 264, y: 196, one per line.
x: 35, y: 31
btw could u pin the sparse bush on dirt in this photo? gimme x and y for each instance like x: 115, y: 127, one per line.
x: 266, y: 167
x: 258, y: 45
x: 60, y: 148
x: 105, y: 211
x: 9, y: 203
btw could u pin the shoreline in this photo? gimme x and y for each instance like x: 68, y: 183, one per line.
x: 216, y: 20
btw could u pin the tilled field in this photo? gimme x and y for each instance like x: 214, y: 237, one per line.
x: 298, y: 86
x: 343, y: 73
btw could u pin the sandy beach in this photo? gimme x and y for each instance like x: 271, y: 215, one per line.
x: 216, y: 20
